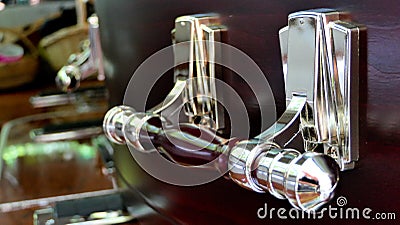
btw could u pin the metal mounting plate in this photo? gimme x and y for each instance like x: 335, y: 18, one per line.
x: 320, y: 56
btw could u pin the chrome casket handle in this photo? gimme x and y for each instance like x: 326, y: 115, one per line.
x: 320, y: 63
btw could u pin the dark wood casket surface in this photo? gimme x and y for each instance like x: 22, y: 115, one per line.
x: 131, y: 31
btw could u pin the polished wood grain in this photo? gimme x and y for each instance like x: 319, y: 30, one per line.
x: 43, y: 175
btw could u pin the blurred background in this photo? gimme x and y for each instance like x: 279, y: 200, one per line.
x: 50, y: 120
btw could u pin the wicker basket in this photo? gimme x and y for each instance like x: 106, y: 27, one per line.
x: 14, y: 74
x: 57, y: 47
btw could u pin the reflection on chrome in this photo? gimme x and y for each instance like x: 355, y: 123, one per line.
x: 320, y: 64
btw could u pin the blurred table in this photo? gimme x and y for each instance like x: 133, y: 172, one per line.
x: 42, y: 176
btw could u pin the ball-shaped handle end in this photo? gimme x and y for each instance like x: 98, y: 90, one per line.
x: 311, y: 181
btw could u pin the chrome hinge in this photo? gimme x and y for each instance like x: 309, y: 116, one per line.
x: 320, y: 57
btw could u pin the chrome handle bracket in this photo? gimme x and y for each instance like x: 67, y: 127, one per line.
x: 320, y: 57
x: 195, y: 55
